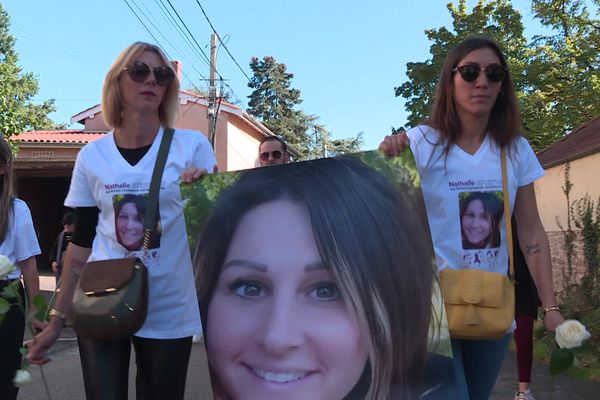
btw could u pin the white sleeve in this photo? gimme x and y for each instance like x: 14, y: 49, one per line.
x: 204, y: 156
x: 26, y: 243
x: 528, y: 165
x: 80, y: 194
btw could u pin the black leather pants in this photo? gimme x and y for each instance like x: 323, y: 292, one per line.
x: 12, y: 329
x: 161, y: 367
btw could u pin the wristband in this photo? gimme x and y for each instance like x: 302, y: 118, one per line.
x: 553, y: 307
x: 55, y: 313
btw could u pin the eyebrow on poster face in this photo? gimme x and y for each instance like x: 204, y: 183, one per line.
x: 260, y: 267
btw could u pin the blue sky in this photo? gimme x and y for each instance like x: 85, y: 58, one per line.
x: 346, y: 55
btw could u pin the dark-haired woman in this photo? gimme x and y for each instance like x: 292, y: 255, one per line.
x: 18, y: 248
x: 474, y: 116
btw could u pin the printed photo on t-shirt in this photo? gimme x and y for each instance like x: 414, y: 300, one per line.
x: 130, y: 210
x: 480, y: 215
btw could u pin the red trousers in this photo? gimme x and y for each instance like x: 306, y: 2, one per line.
x: 524, y: 341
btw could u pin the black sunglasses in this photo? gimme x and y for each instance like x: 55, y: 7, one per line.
x: 139, y: 71
x: 265, y: 156
x: 470, y: 72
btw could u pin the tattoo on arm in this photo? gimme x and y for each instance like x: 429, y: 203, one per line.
x: 533, y: 248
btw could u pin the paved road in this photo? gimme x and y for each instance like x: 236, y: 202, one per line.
x: 63, y: 375
x: 65, y: 381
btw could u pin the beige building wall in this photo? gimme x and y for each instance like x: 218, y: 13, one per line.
x: 95, y: 123
x: 552, y: 205
x: 192, y: 116
x: 242, y: 149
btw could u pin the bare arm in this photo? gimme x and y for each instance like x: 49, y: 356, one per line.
x: 74, y: 261
x: 30, y: 278
x: 535, y: 247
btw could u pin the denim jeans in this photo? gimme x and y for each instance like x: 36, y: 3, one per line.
x: 477, y: 364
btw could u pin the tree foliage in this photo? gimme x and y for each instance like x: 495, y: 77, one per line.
x: 550, y: 72
x: 274, y: 102
x: 17, y: 112
x: 563, y: 71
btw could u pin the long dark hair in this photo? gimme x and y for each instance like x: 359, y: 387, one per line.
x: 377, y: 252
x: 6, y: 187
x: 504, y: 123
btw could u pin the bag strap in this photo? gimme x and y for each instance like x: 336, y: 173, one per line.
x: 507, y: 219
x: 159, y: 167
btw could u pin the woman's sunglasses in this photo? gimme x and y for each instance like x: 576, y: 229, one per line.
x: 139, y: 71
x: 265, y: 156
x: 470, y: 72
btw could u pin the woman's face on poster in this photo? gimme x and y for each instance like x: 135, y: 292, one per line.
x: 277, y: 326
x: 130, y: 226
x: 476, y: 223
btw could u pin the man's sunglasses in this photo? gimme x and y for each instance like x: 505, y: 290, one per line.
x: 139, y: 71
x: 275, y: 154
x: 470, y: 72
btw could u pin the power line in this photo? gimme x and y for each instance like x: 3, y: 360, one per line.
x: 154, y: 26
x: 220, y: 41
x: 159, y: 31
x: 144, y: 25
x: 168, y: 16
x: 194, y: 39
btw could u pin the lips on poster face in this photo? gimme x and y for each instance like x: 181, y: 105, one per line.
x: 308, y: 275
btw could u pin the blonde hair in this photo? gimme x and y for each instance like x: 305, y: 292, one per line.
x: 6, y: 194
x: 112, y: 109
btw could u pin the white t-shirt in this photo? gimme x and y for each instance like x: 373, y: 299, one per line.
x: 21, y: 241
x: 103, y: 178
x: 463, y: 197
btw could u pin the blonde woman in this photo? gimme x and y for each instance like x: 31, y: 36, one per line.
x: 139, y: 100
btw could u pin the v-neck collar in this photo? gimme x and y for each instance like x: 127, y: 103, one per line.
x: 484, y: 142
x: 150, y: 154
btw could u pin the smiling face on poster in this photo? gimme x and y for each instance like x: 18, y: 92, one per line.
x: 315, y: 281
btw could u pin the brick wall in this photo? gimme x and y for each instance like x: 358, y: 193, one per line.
x: 559, y: 259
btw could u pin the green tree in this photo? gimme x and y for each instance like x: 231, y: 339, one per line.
x: 17, y: 112
x: 496, y: 19
x: 563, y: 89
x: 550, y: 73
x: 274, y: 102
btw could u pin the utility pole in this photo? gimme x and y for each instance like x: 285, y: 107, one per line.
x: 212, y: 91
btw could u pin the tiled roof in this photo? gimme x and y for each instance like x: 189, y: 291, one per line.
x: 579, y: 143
x: 64, y: 136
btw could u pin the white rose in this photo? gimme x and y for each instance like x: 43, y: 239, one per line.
x: 22, y: 377
x: 5, y: 266
x: 570, y: 334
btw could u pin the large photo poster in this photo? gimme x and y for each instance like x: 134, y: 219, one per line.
x: 316, y: 280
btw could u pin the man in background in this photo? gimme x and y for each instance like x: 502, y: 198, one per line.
x: 60, y: 245
x: 273, y: 151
